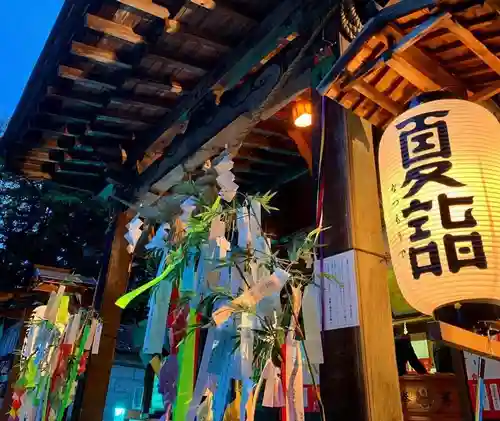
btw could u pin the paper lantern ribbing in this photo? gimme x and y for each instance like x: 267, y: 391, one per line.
x: 440, y: 179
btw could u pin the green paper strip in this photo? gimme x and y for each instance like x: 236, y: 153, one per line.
x: 73, y: 372
x: 126, y: 299
x: 185, y: 383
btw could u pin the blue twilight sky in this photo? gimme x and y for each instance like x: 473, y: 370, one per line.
x: 25, y: 27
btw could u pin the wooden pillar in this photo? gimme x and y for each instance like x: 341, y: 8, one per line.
x: 359, y: 380
x: 99, y: 368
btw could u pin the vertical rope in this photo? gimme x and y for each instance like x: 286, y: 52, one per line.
x: 319, y: 209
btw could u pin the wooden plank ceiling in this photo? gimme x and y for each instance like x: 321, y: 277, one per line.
x: 126, y: 65
x: 273, y: 153
x: 453, y: 46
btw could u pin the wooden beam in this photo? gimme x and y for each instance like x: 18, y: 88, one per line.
x: 68, y: 118
x: 120, y: 120
x: 303, y: 141
x: 156, y: 54
x: 113, y: 29
x: 99, y: 55
x: 175, y: 87
x: 207, y: 4
x: 464, y: 339
x: 142, y: 101
x: 421, y: 70
x: 377, y: 97
x: 250, y: 157
x: 471, y: 42
x: 92, y: 100
x: 36, y: 175
x: 147, y: 6
x: 486, y: 93
x: 276, y: 146
x: 280, y: 23
x: 78, y: 76
x: 192, y: 34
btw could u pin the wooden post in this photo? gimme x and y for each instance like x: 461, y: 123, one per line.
x: 99, y: 368
x: 359, y: 379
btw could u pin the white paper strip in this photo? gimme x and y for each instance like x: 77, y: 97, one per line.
x: 255, y: 221
x: 273, y: 391
x: 217, y: 228
x: 312, y: 324
x: 97, y: 339
x: 90, y: 338
x: 225, y: 164
x: 243, y: 226
x: 251, y: 297
x: 73, y: 328
x: 187, y: 207
x: 246, y: 344
x: 53, y: 304
x: 294, y: 399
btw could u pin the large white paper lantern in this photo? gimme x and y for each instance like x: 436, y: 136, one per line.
x: 440, y: 180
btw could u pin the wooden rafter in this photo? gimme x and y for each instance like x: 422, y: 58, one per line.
x: 113, y: 29
x: 207, y: 4
x: 68, y: 117
x: 142, y: 101
x: 476, y: 46
x: 377, y: 97
x: 421, y: 70
x: 149, y: 7
x: 162, y: 86
x: 261, y: 41
x: 282, y: 147
x: 489, y: 92
x: 250, y: 157
x: 98, y: 55
x: 78, y: 76
x: 96, y: 101
x: 157, y: 55
x: 303, y: 142
x: 192, y: 34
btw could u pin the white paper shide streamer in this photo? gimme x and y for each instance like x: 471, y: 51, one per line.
x: 225, y: 178
x: 134, y: 233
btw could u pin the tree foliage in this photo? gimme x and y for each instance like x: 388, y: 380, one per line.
x: 40, y: 224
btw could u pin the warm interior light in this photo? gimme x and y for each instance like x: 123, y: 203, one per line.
x: 302, y: 113
x: 303, y: 120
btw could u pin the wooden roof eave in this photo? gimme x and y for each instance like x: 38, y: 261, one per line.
x: 374, y: 26
x: 187, y: 144
x: 447, y: 47
x: 68, y: 19
x: 277, y: 25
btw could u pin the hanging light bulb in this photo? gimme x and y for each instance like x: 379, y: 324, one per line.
x: 302, y: 113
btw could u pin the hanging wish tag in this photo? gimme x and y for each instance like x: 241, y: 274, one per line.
x: 90, y: 338
x: 251, y: 297
x: 73, y: 328
x: 312, y: 324
x: 217, y: 228
x: 97, y: 339
x: 294, y: 398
